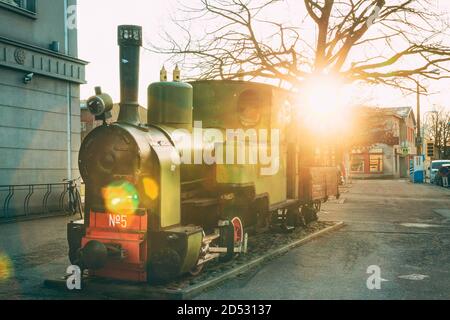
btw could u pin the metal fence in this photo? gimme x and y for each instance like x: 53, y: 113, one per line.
x: 33, y: 200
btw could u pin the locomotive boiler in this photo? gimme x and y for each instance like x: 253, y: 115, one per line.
x: 155, y: 207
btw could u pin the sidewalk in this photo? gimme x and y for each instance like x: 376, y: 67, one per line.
x: 31, y: 251
x: 402, y: 228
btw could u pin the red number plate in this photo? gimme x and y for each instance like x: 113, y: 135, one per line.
x: 118, y: 221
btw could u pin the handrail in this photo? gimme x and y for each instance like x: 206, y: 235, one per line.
x: 30, y: 190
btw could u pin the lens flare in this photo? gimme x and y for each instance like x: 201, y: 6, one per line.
x: 121, y: 198
x: 325, y: 105
x: 151, y: 188
x: 6, y: 267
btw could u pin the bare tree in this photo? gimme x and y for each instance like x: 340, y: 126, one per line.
x: 375, y: 41
x: 439, y: 131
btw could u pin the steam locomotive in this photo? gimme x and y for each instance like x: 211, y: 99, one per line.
x: 153, y: 211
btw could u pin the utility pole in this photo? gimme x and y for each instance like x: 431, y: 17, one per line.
x: 419, y: 134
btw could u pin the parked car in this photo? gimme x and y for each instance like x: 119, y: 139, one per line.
x: 443, y: 174
x: 434, y: 169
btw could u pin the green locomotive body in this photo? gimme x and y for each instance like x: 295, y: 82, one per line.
x: 166, y: 197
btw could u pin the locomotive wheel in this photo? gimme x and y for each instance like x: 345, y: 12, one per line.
x: 227, y: 241
x: 165, y: 265
x: 232, y: 235
x: 197, y: 270
x: 74, y: 255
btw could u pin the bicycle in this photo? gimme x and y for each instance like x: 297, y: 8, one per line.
x: 75, y: 204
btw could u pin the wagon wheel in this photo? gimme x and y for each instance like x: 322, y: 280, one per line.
x: 300, y: 221
x: 317, y: 206
x: 164, y: 265
x: 293, y: 218
x: 310, y: 214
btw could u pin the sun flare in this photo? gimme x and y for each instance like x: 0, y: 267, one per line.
x: 121, y: 197
x: 325, y: 105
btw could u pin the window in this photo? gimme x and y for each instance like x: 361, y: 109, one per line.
x: 436, y: 165
x: 357, y: 163
x: 376, y: 163
x: 249, y: 108
x: 27, y: 5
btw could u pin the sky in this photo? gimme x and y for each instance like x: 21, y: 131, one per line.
x: 97, y: 43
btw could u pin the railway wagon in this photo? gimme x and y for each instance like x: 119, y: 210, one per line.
x: 216, y: 162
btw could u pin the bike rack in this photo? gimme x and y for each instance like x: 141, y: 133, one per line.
x: 31, y: 189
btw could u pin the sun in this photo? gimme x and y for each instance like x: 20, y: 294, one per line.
x: 324, y: 105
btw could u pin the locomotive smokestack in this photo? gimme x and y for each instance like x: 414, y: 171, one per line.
x: 130, y: 42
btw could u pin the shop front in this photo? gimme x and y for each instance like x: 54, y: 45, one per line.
x: 378, y: 162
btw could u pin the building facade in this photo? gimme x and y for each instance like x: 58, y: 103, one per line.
x: 388, y: 160
x: 40, y: 78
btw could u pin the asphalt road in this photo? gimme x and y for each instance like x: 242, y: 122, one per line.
x: 402, y: 228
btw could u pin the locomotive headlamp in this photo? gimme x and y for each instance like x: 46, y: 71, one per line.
x: 100, y: 105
